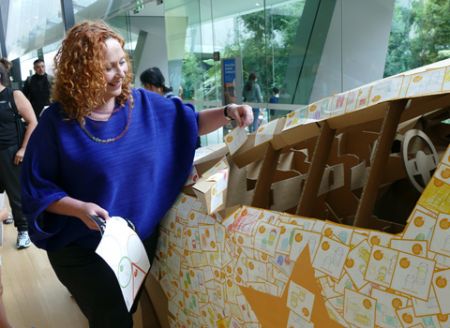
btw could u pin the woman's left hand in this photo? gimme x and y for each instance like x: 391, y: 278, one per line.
x: 19, y: 156
x: 242, y: 114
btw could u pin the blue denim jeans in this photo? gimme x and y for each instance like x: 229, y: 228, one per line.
x: 254, y: 126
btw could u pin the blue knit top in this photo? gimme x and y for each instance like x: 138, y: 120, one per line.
x: 137, y: 177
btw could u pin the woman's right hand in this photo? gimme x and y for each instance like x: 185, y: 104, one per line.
x: 83, y: 210
x: 91, y: 209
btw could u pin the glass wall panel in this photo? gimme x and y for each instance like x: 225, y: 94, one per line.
x: 32, y: 25
x: 420, y: 35
x: 260, y: 33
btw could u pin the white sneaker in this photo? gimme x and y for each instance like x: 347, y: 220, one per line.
x: 23, y: 240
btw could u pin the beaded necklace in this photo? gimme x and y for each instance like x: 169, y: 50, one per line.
x: 109, y: 140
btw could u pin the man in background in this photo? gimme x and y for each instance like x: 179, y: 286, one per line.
x: 37, y: 87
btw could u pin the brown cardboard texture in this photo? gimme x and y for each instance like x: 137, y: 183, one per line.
x: 212, y: 186
x: 248, y: 152
x: 295, y: 135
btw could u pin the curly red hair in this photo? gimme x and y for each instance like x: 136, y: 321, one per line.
x: 79, y: 69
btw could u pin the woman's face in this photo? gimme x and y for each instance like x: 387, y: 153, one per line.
x: 116, y: 68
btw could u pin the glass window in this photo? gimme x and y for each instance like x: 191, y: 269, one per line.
x: 260, y: 33
x: 32, y: 25
x: 420, y: 35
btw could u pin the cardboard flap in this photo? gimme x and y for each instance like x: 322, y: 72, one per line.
x: 211, y: 152
x: 266, y: 132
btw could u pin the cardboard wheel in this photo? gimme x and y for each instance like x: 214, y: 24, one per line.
x: 420, y: 158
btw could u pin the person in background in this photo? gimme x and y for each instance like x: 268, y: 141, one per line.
x: 11, y: 152
x: 153, y: 80
x: 274, y: 99
x: 5, y: 214
x: 252, y: 93
x: 105, y: 149
x: 37, y: 87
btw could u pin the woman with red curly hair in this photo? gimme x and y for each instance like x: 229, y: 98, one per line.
x: 105, y: 149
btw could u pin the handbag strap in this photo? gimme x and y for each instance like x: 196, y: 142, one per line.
x: 12, y: 103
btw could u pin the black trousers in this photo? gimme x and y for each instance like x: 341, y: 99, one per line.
x: 94, y: 286
x: 9, y: 181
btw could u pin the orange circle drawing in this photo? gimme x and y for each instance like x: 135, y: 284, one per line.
x: 445, y: 173
x: 349, y: 263
x: 442, y: 317
x: 404, y: 263
x: 376, y: 98
x: 438, y: 183
x: 183, y: 200
x: 291, y: 114
x: 229, y: 283
x: 328, y: 232
x: 262, y: 229
x: 229, y: 269
x: 264, y: 257
x: 419, y: 221
x: 213, y: 244
x: 191, y: 273
x: 229, y: 139
x: 378, y: 255
x: 186, y: 252
x: 397, y: 303
x: 444, y: 224
x: 222, y: 275
x: 251, y: 266
x: 207, y: 233
x: 417, y: 78
x: 367, y: 303
x: 305, y: 312
x: 407, y: 318
x: 298, y: 237
x: 192, y: 216
x: 261, y: 128
x: 239, y: 250
x: 238, y: 279
x: 217, y: 273
x: 244, y: 212
x: 417, y: 249
x: 189, y: 233
x: 375, y: 240
x: 441, y: 282
x: 325, y: 246
x: 181, y: 304
x: 186, y: 294
x: 283, y: 230
x: 312, y: 108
